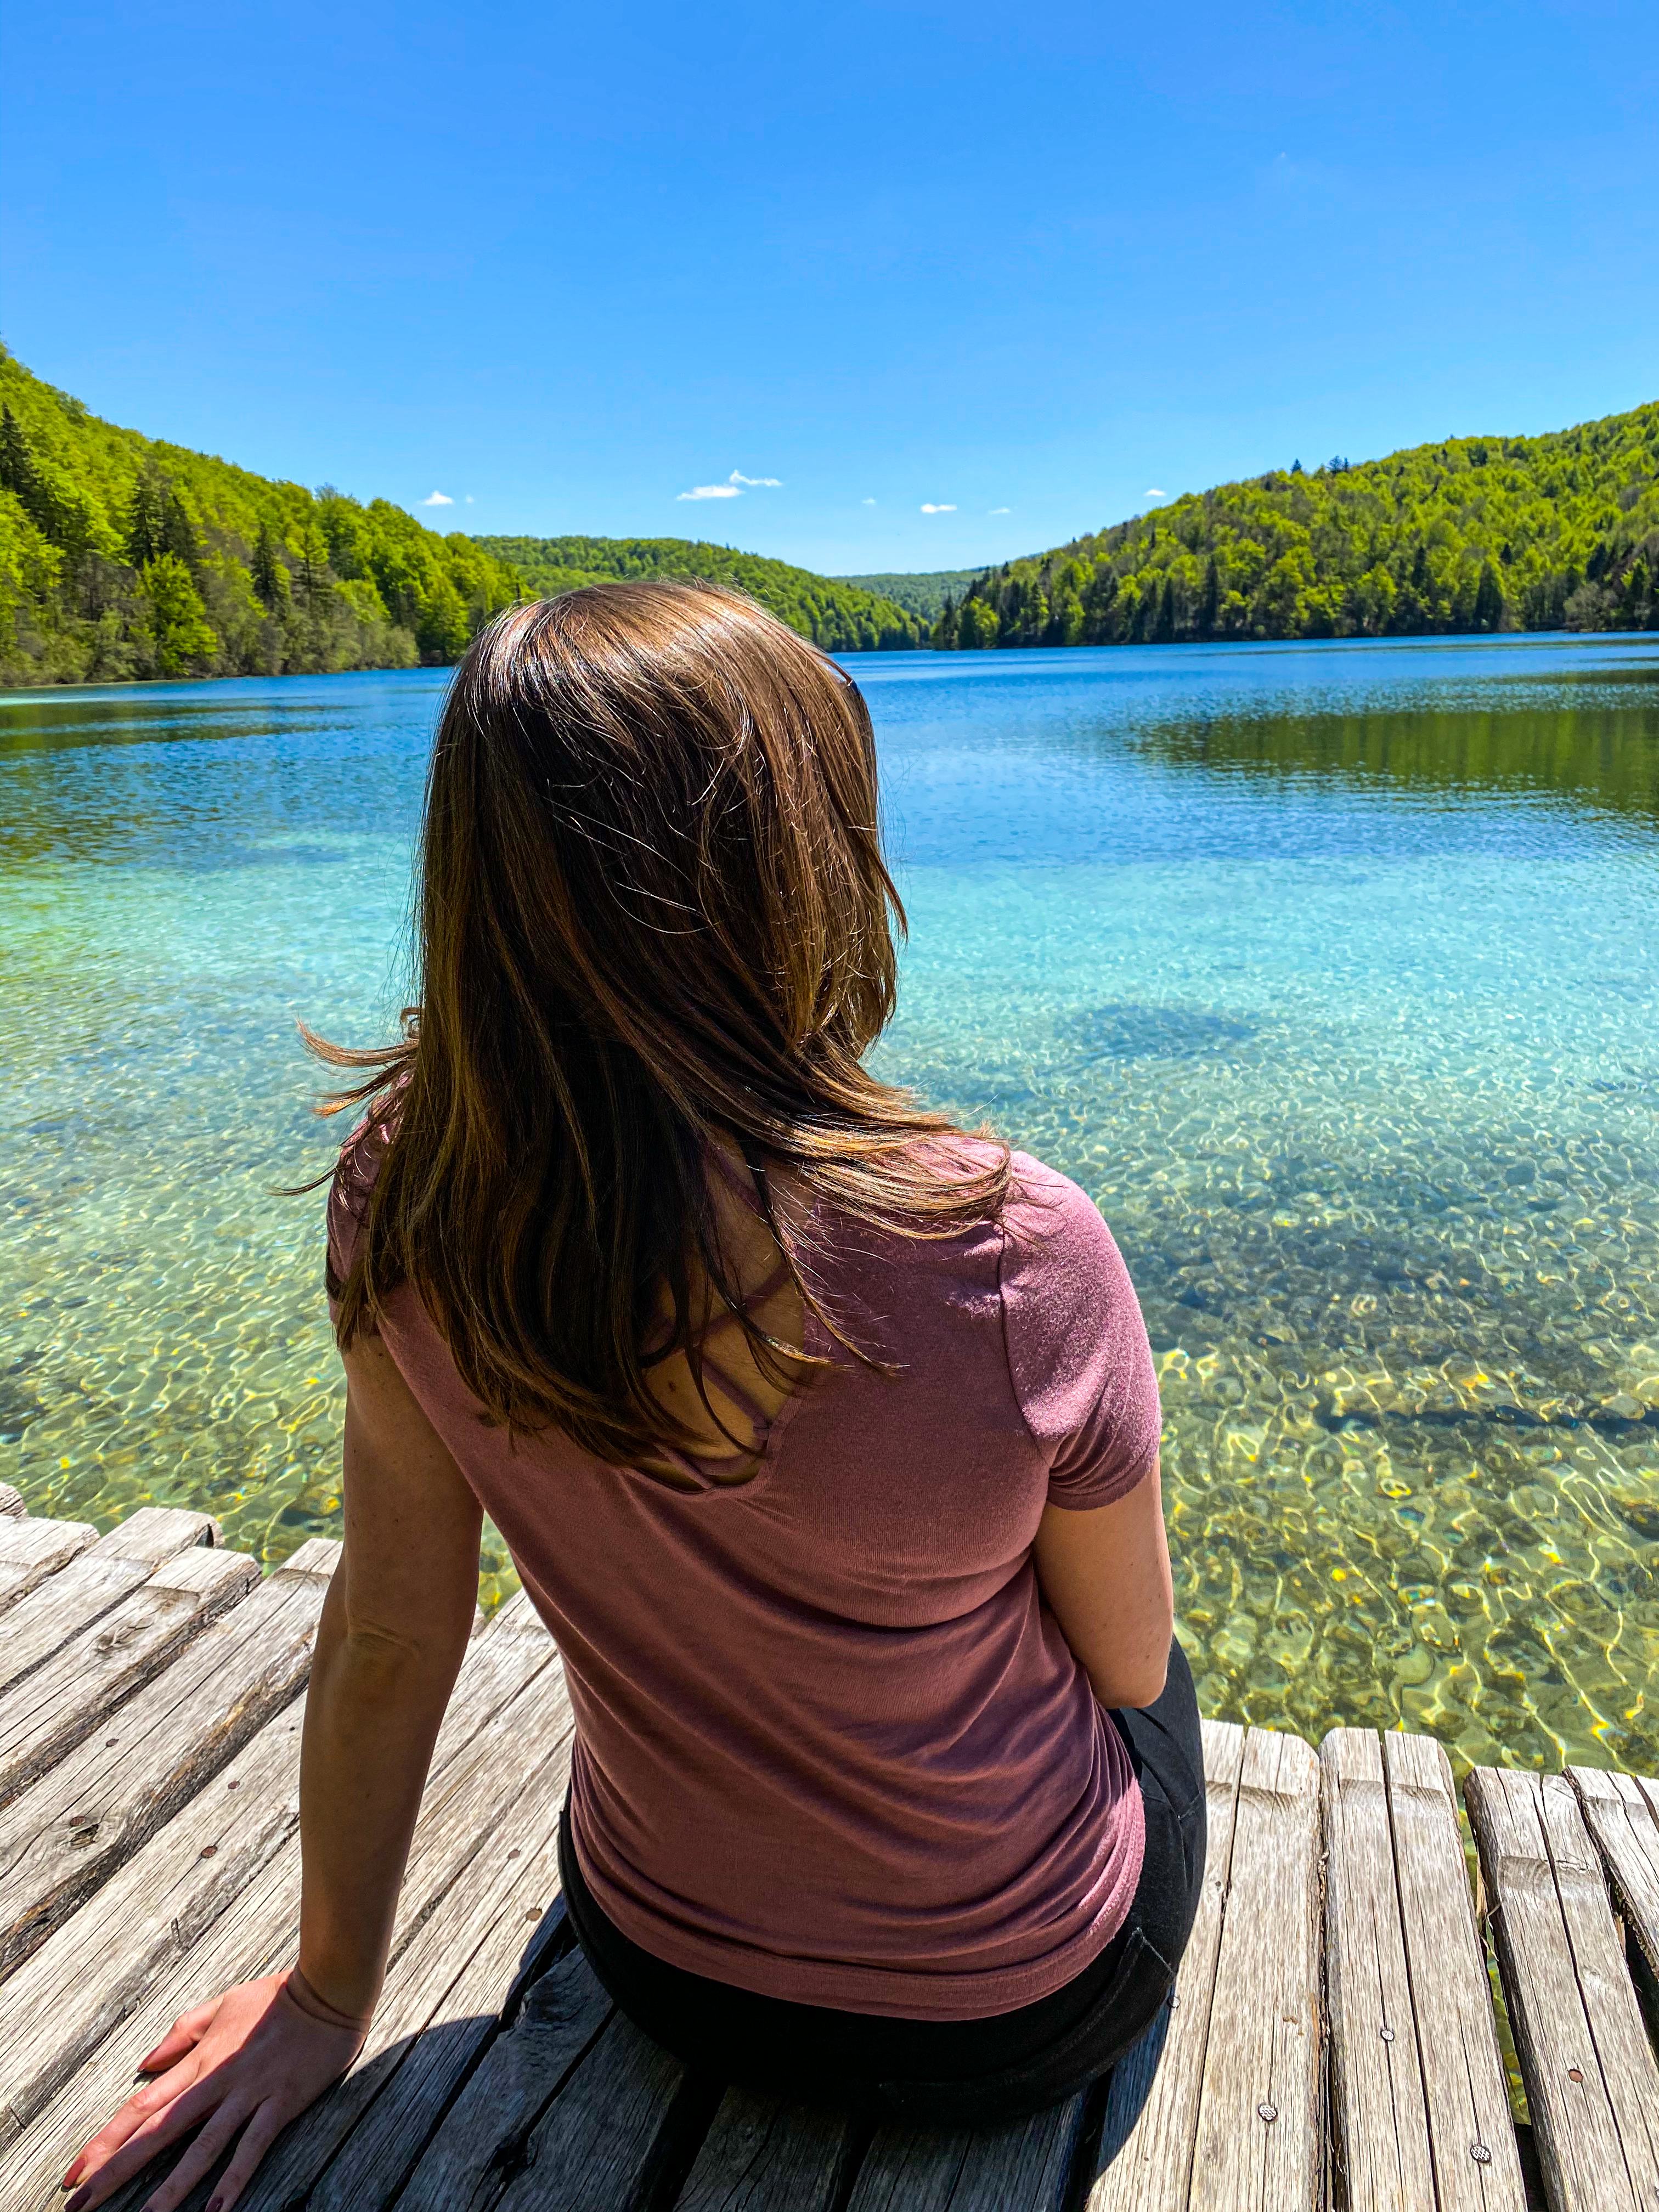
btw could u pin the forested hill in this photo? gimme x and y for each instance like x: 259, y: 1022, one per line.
x: 924, y: 593
x: 123, y: 557
x: 1556, y: 533
x: 836, y: 615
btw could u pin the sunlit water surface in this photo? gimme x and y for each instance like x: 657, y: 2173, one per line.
x: 1330, y: 971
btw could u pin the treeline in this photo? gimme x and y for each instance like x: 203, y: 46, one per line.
x: 122, y: 557
x: 839, y: 616
x: 1556, y: 533
x: 923, y: 593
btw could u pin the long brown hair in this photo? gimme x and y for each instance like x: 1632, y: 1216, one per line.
x: 652, y: 913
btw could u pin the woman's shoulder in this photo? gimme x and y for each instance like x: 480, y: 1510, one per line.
x: 356, y: 1172
x: 1072, y: 1323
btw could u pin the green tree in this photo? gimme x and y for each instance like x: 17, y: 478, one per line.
x: 977, y: 625
x: 267, y: 568
x: 180, y: 635
x: 144, y: 535
x: 1488, y: 599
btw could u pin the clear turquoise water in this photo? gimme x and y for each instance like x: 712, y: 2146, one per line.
x: 1330, y: 970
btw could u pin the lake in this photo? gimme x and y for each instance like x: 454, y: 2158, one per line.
x: 1329, y: 970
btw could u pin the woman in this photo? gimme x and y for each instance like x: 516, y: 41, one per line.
x: 824, y: 1436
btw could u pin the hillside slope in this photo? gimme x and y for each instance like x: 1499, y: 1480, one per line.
x: 1553, y: 533
x: 838, y: 616
x: 121, y: 557
x: 922, y: 594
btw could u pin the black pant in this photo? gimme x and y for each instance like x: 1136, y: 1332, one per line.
x: 948, y: 2072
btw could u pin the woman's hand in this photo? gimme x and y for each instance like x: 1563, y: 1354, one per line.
x: 251, y: 2061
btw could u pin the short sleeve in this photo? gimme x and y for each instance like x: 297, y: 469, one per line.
x: 1077, y: 1353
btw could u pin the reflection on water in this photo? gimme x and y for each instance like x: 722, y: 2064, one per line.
x: 1330, y: 971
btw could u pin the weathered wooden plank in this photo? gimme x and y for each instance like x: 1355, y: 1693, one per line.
x: 1146, y: 2155
x: 1477, y: 2166
x: 1622, y: 1815
x: 61, y: 2005
x: 111, y: 1956
x: 420, y: 1987
x: 485, y: 2138
x: 1591, y: 2082
x: 133, y: 1956
x: 85, y: 1589
x: 1023, y: 2163
x: 31, y: 1550
x: 257, y: 1938
x: 1379, y: 2112
x: 70, y: 1830
x: 765, y: 2154
x: 383, y: 2147
x: 1259, y: 2138
x: 11, y: 1502
x: 60, y: 1702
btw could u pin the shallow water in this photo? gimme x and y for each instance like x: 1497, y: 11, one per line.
x: 1329, y: 970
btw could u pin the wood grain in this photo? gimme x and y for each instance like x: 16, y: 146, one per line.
x: 162, y: 1935
x: 71, y: 1829
x: 1023, y: 2163
x: 101, y: 1964
x: 1465, y: 2086
x: 1591, y: 2082
x: 31, y: 1550
x: 1146, y: 2155
x: 1259, y: 2138
x: 417, y: 1996
x: 766, y: 2154
x: 12, y: 1507
x: 1622, y: 1815
x: 1379, y: 2113
x: 484, y: 2138
x: 57, y: 1705
x: 85, y: 1589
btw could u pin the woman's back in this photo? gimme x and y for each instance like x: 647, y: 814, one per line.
x: 831, y: 1744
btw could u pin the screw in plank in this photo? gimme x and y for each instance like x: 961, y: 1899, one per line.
x: 1268, y: 2112
x: 209, y: 1850
x: 1479, y: 2154
x: 1573, y: 2074
x: 1387, y: 2035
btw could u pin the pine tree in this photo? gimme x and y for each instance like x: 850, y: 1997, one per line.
x: 268, y: 572
x: 18, y: 472
x: 1488, y: 599
x: 1163, y: 627
x: 1209, y: 606
x: 179, y: 535
x: 145, y: 517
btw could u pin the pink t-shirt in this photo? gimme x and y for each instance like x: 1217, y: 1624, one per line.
x: 830, y: 1744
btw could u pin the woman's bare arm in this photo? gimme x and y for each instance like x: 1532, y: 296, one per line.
x: 1105, y: 1574
x: 394, y: 1628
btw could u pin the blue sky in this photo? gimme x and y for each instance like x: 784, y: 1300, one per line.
x: 1027, y: 269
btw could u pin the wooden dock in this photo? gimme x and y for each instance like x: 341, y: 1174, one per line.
x: 1331, y: 2042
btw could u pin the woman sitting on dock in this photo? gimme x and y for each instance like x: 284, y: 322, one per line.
x: 823, y: 1435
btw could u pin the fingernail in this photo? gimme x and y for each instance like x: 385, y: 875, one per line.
x: 215, y: 2204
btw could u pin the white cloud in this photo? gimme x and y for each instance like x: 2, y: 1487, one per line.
x: 999, y: 510
x: 928, y: 507
x: 733, y: 488
x: 867, y: 502
x: 469, y: 499
x: 1153, y: 492
x: 437, y: 498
